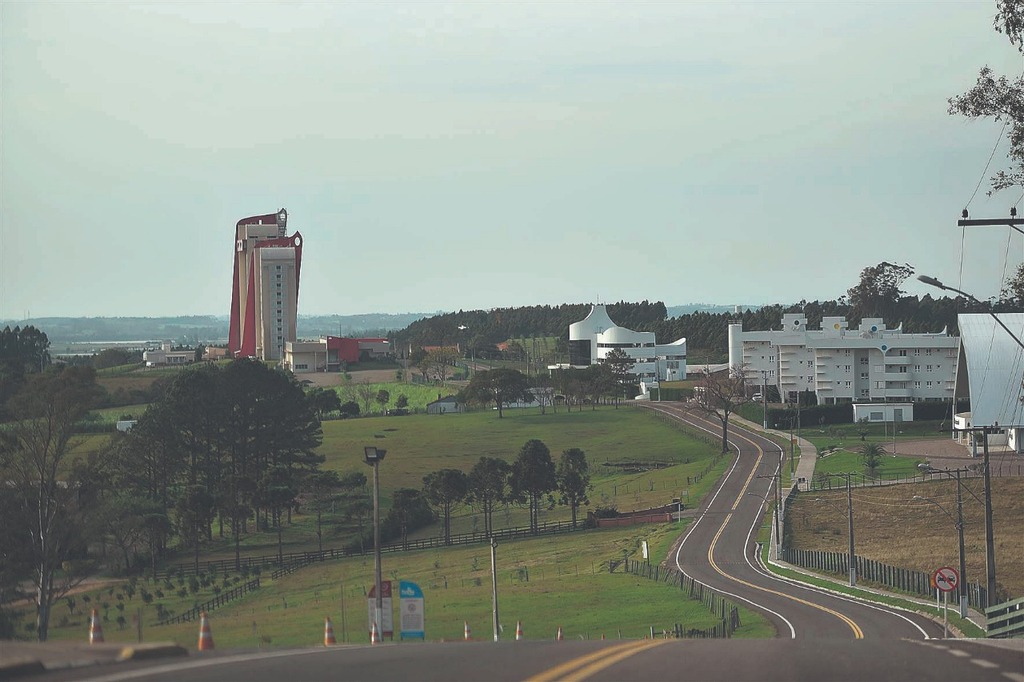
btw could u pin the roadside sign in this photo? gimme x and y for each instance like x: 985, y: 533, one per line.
x: 946, y: 579
x: 410, y: 605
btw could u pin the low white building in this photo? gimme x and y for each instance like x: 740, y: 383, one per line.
x: 867, y: 364
x: 594, y: 337
x: 165, y: 356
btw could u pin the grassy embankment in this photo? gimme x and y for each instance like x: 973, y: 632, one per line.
x: 546, y: 583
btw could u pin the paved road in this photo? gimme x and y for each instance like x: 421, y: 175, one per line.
x: 719, y: 550
x: 818, y: 660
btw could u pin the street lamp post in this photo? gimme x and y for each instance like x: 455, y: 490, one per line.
x: 374, y: 456
x: 990, y: 559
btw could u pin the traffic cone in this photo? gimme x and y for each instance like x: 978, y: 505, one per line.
x: 467, y: 635
x: 205, y: 636
x: 95, y: 629
x: 519, y: 630
x: 374, y: 634
x: 329, y: 633
x: 559, y: 637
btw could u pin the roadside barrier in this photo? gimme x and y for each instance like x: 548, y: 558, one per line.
x: 329, y: 633
x: 95, y: 628
x: 466, y: 635
x: 205, y: 635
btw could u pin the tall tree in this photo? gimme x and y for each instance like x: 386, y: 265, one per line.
x: 621, y: 366
x: 718, y: 395
x: 533, y: 476
x: 22, y: 351
x: 323, y: 488
x: 573, y: 476
x: 1001, y: 98
x: 444, y: 489
x: 878, y: 292
x: 488, y: 487
x: 35, y: 461
x: 499, y: 386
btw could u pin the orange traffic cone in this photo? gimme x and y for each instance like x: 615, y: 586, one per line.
x: 95, y: 629
x: 205, y: 636
x: 329, y: 633
x: 374, y: 635
x: 519, y: 630
x: 467, y: 635
x: 559, y: 637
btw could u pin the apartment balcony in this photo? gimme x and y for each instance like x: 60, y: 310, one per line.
x: 898, y: 360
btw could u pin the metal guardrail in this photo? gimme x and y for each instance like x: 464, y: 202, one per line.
x: 1005, y: 620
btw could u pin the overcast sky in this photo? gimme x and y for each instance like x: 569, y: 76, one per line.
x: 446, y: 156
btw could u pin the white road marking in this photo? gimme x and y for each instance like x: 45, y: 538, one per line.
x: 982, y: 663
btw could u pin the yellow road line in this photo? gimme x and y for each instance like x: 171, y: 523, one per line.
x: 600, y: 665
x: 592, y: 662
x: 857, y: 632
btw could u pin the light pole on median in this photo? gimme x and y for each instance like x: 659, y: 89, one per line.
x: 374, y: 456
x: 959, y: 523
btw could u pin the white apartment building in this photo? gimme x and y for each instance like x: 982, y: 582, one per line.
x: 870, y: 363
x: 591, y: 339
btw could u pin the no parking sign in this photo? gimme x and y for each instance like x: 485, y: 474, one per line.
x: 946, y: 579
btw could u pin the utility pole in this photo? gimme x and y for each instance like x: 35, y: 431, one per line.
x: 963, y: 561
x: 849, y: 509
x: 990, y: 554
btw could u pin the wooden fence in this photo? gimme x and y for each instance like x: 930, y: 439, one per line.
x: 218, y: 601
x: 727, y: 612
x: 293, y: 560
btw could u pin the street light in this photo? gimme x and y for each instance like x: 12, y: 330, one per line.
x: 374, y: 456
x: 958, y: 522
x: 990, y: 557
x: 849, y: 512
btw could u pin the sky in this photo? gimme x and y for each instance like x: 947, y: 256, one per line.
x: 473, y: 155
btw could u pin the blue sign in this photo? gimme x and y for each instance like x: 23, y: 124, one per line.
x: 410, y: 606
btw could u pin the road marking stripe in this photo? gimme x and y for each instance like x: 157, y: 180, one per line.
x: 1016, y: 677
x: 600, y: 665
x: 958, y: 652
x: 982, y: 663
x: 567, y: 667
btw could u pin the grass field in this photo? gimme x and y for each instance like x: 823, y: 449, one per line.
x: 545, y: 583
x: 420, y: 444
x: 891, y: 527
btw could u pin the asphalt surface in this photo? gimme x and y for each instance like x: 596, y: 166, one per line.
x: 817, y: 660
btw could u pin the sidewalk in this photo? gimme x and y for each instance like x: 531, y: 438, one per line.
x: 19, y: 658
x: 808, y: 453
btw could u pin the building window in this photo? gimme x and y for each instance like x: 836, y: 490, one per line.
x: 903, y: 353
x: 917, y: 351
x: 917, y: 384
x: 847, y: 368
x: 929, y: 384
x: 863, y: 375
x: 903, y: 369
x: 864, y: 360
x: 928, y: 351
x: 928, y: 368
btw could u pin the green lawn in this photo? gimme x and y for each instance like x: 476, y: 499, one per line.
x: 419, y: 444
x: 545, y: 583
x: 842, y: 462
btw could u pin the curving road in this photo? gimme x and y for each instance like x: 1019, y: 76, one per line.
x: 719, y: 550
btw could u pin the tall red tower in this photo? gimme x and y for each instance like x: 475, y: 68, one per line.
x: 265, y: 286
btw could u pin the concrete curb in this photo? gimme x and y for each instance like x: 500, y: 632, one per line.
x: 143, y: 652
x: 18, y: 667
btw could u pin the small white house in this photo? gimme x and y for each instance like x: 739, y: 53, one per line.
x: 883, y: 412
